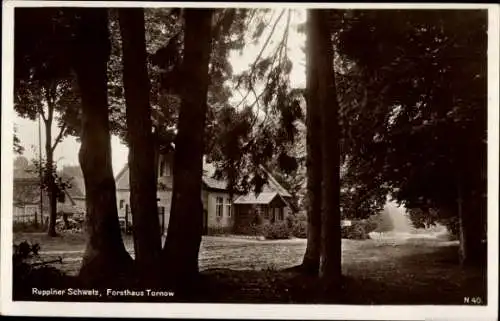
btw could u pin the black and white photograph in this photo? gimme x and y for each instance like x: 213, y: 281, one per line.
x: 250, y: 160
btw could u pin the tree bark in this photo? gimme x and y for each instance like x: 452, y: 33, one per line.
x: 180, y: 254
x: 143, y: 184
x: 49, y: 171
x: 472, y: 251
x: 331, y: 252
x: 105, y: 256
x: 311, y: 261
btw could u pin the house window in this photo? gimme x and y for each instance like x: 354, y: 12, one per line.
x: 122, y: 202
x: 281, y: 214
x: 228, y: 207
x: 278, y: 214
x: 219, y: 206
x: 266, y: 211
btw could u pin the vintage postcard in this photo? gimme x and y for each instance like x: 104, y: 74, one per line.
x: 250, y: 160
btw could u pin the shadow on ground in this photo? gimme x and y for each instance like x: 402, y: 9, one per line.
x: 409, y: 272
x: 420, y: 279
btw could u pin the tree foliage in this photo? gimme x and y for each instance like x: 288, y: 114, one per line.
x: 18, y: 148
x: 259, y: 131
x: 423, y: 79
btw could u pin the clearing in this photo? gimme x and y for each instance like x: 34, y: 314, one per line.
x: 392, y: 270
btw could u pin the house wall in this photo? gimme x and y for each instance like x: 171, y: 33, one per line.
x: 122, y: 200
x: 246, y: 215
x: 215, y: 222
x: 271, y: 212
x: 164, y: 204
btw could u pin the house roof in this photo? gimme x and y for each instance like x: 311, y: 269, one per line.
x: 74, y: 190
x: 252, y: 198
x: 214, y: 183
x: 275, y: 185
x: 27, y: 191
x: 28, y: 175
x: 122, y: 180
x: 272, y: 186
x: 209, y: 180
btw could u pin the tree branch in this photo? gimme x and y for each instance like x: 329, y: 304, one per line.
x: 42, y: 114
x: 254, y: 64
x: 59, y: 136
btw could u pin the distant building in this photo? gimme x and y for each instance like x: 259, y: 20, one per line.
x: 222, y: 213
x: 26, y: 200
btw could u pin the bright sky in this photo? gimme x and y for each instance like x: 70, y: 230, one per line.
x: 67, y: 151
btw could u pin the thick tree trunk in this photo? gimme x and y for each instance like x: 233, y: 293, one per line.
x: 182, y: 244
x: 331, y: 252
x: 141, y: 147
x: 49, y: 178
x: 105, y: 256
x: 310, y: 264
x: 472, y: 250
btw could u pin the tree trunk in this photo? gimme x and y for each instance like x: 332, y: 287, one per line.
x: 141, y: 148
x: 49, y: 171
x: 310, y: 264
x: 182, y: 244
x: 472, y: 251
x: 105, y: 256
x: 331, y: 252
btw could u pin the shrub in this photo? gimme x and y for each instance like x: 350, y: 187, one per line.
x: 250, y: 229
x: 300, y: 229
x: 30, y: 271
x: 370, y: 224
x: 357, y: 230
x: 297, y: 225
x: 66, y: 223
x: 276, y: 231
x: 452, y: 225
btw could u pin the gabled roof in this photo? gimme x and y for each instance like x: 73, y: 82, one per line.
x: 272, y: 186
x: 209, y: 181
x: 27, y: 191
x: 275, y: 185
x: 252, y: 198
x: 74, y: 190
x: 122, y: 180
x: 213, y: 183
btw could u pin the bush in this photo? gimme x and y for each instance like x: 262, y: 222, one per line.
x: 370, y: 224
x: 357, y: 230
x: 297, y: 225
x: 452, y: 225
x: 64, y: 224
x: 251, y: 230
x: 30, y: 271
x: 276, y: 231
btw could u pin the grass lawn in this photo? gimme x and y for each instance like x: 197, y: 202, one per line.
x: 412, y: 271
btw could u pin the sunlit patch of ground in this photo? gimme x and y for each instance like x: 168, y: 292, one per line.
x: 390, y: 269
